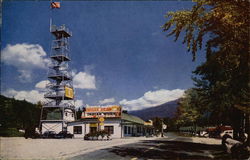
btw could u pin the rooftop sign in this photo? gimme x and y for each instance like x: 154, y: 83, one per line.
x: 97, y: 112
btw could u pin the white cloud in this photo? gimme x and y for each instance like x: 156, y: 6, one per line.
x: 42, y: 84
x: 25, y: 75
x: 152, y: 98
x: 106, y: 101
x: 84, y: 80
x: 25, y: 57
x: 32, y: 96
x: 78, y: 103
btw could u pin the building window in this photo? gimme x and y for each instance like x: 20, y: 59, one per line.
x: 109, y: 129
x: 77, y: 129
x: 138, y: 129
x: 129, y: 130
x: 125, y: 130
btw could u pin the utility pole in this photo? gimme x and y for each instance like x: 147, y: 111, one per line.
x: 162, y: 128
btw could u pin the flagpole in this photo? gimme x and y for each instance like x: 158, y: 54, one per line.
x: 50, y: 20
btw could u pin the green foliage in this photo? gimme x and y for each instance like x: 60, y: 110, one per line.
x: 157, y: 123
x: 170, y: 122
x: 18, y: 114
x: 11, y: 132
x: 79, y: 113
x: 187, y: 111
x: 222, y: 81
x: 226, y: 21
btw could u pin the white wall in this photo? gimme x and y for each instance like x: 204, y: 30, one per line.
x: 52, y: 126
x: 117, y: 128
x: 70, y: 128
x: 86, y: 128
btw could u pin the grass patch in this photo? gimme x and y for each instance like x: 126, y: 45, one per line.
x: 10, y: 132
x: 184, y: 134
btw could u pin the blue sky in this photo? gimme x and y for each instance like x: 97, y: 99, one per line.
x: 119, y: 53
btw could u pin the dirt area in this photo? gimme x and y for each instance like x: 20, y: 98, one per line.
x: 21, y: 148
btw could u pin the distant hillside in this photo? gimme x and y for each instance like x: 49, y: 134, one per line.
x: 17, y: 114
x: 164, y: 110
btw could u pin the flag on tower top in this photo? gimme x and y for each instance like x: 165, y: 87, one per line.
x: 55, y: 5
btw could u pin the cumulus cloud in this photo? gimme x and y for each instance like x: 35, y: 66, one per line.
x: 78, y: 103
x: 25, y: 57
x: 84, y: 80
x: 32, y: 96
x: 42, y: 84
x: 106, y: 101
x: 152, y: 98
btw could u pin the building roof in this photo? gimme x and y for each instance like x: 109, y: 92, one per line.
x: 124, y: 116
x: 131, y: 118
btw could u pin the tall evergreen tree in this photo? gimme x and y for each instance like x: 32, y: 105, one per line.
x: 224, y: 78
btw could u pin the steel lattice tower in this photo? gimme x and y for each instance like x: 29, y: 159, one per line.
x: 60, y: 107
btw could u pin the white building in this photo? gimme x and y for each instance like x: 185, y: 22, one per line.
x: 111, y: 119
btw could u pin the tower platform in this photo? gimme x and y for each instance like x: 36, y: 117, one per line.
x: 60, y: 31
x: 60, y: 57
x: 60, y: 77
x: 57, y: 97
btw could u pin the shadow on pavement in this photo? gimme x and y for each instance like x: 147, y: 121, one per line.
x: 159, y: 149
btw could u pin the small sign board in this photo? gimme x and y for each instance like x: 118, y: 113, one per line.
x: 93, y: 125
x: 69, y: 93
x: 101, y: 119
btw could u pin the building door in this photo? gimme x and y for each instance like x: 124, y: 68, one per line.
x: 93, y: 129
x: 109, y: 129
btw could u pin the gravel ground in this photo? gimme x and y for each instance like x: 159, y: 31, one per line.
x: 21, y: 148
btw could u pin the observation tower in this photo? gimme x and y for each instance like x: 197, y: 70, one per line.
x: 59, y: 108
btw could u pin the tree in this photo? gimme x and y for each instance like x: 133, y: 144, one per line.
x: 188, y: 110
x: 79, y: 113
x: 157, y: 123
x: 16, y: 114
x: 224, y: 78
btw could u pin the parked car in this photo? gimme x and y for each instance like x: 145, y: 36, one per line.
x: 204, y: 134
x: 229, y: 132
x: 49, y: 134
x: 64, y: 134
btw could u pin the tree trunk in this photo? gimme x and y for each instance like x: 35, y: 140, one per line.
x: 236, y: 123
x: 247, y: 128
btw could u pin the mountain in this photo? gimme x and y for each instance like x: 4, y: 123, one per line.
x: 164, y: 110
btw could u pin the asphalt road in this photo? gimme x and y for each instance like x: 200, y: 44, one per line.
x: 158, y: 149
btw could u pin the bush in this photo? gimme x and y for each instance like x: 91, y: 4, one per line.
x: 10, y: 132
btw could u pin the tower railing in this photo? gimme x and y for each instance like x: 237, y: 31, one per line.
x: 61, y: 28
x: 56, y: 74
x: 63, y: 105
x: 58, y: 44
x: 53, y: 86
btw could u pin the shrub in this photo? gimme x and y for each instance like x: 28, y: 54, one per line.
x: 10, y: 132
